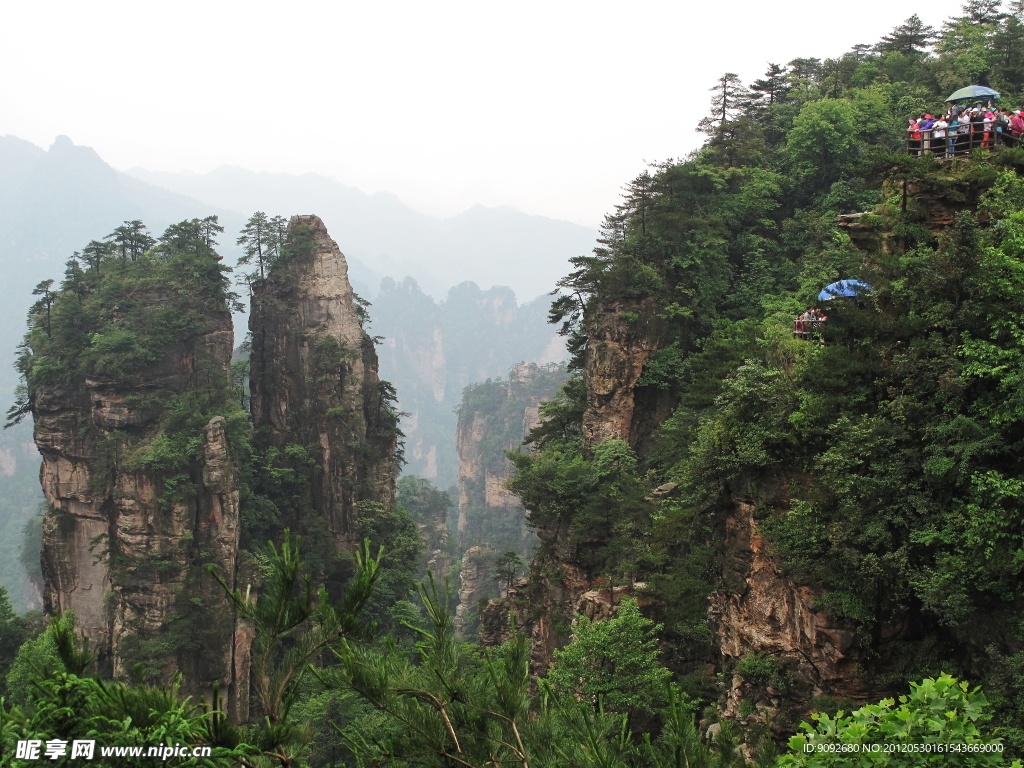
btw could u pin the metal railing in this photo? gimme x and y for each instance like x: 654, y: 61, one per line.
x: 956, y: 143
x: 807, y: 330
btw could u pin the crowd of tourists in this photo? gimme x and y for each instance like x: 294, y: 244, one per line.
x: 808, y: 322
x: 965, y: 128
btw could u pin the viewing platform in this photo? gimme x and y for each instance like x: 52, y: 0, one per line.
x: 959, y: 144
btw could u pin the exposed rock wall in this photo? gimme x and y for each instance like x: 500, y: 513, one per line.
x: 432, y: 350
x: 123, y: 549
x: 434, y: 530
x: 542, y: 606
x: 476, y: 584
x: 759, y: 609
x: 620, y: 341
x: 314, y: 381
x: 617, y: 350
x: 494, y: 417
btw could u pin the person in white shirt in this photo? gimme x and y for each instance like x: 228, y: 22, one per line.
x: 939, y: 132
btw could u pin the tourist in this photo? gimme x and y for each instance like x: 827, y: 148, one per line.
x: 953, y: 128
x: 977, y: 128
x: 963, y: 137
x: 1002, y: 126
x: 939, y: 134
x: 915, y: 137
x: 925, y: 124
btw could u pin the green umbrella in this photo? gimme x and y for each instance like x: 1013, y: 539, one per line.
x: 973, y: 92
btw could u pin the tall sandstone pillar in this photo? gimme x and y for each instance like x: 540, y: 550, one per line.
x: 314, y: 383
x: 125, y: 543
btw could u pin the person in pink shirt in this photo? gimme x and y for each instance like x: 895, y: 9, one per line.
x: 1016, y: 127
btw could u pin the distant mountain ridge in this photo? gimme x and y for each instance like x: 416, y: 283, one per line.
x: 53, y: 202
x: 381, y: 236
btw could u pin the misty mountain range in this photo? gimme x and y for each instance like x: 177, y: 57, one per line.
x: 451, y: 315
x: 381, y: 236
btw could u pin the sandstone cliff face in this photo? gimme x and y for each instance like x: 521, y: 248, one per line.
x: 620, y: 341
x: 494, y: 417
x: 617, y: 350
x: 431, y: 350
x: 434, y: 530
x: 314, y: 382
x: 542, y: 607
x: 125, y: 547
x: 477, y: 583
x: 760, y: 610
x: 497, y: 421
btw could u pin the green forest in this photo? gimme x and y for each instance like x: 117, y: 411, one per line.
x: 877, y: 466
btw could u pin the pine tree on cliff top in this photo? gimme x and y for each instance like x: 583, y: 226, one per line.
x: 912, y: 37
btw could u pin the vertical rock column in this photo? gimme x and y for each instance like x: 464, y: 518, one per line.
x: 617, y: 350
x: 126, y: 547
x: 314, y: 382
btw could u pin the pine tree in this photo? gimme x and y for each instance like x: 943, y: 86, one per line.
x: 131, y: 239
x: 772, y: 86
x: 209, y: 227
x: 728, y: 99
x: 258, y: 239
x: 191, y: 235
x: 121, y: 237
x: 983, y: 11
x: 614, y: 661
x: 95, y: 252
x: 1008, y: 43
x: 912, y: 37
x: 45, y: 302
x: 508, y: 566
x: 295, y: 623
x: 861, y: 51
x: 73, y: 275
x: 139, y: 240
x: 279, y: 236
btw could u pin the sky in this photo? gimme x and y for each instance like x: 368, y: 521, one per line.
x: 548, y: 107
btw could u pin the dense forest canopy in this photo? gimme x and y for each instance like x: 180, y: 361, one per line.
x: 881, y: 460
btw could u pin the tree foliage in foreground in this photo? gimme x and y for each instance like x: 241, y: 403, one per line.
x: 613, y: 663
x: 449, y: 704
x: 939, y: 714
x: 66, y: 704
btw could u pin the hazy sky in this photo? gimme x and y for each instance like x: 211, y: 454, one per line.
x: 545, y: 106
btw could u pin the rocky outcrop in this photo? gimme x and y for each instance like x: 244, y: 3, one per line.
x: 476, y: 584
x: 432, y: 350
x: 482, y: 479
x: 933, y: 203
x: 494, y: 417
x: 126, y: 539
x: 619, y: 342
x: 317, y: 400
x: 546, y: 608
x: 434, y: 530
x: 761, y: 611
x: 139, y: 464
x: 541, y: 606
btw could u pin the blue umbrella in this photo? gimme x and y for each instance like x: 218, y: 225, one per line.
x: 973, y: 92
x: 843, y: 288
